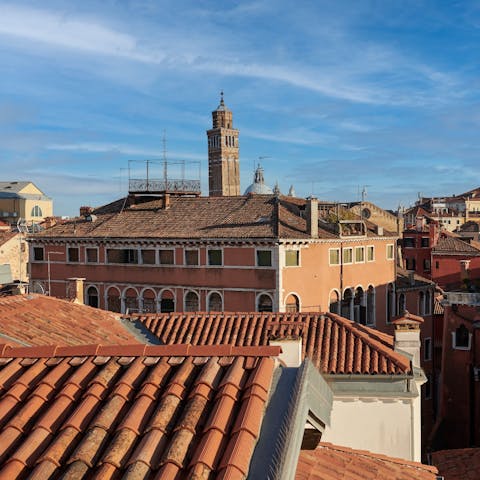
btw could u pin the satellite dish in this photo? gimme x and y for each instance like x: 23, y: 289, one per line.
x: 38, y: 288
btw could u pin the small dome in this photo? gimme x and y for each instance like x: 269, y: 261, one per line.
x: 222, y: 107
x: 258, y: 186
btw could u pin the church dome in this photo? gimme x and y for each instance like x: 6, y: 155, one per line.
x: 258, y: 186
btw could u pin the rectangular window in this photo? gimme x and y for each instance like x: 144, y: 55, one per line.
x: 148, y: 257
x: 125, y: 255
x: 359, y: 254
x: 437, y: 265
x: 215, y: 257
x: 38, y: 254
x: 292, y: 258
x: 264, y: 258
x: 426, y: 264
x: 334, y: 254
x: 347, y: 255
x: 427, y: 349
x: 191, y: 257
x: 167, y: 257
x: 390, y: 252
x: 73, y: 254
x: 425, y: 242
x: 91, y: 255
x: 409, y: 242
x: 370, y: 253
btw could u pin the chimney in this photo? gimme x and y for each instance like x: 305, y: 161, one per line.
x: 379, y: 230
x: 420, y: 223
x: 85, y: 211
x: 75, y: 289
x: 312, y: 216
x: 166, y: 201
x: 411, y: 278
x: 291, y: 354
x: 464, y: 270
x: 407, y: 335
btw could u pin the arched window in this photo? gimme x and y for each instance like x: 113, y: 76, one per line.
x: 428, y: 302
x: 421, y: 303
x: 402, y: 304
x: 347, y: 303
x: 390, y: 302
x: 215, y: 303
x: 292, y: 304
x: 371, y: 305
x: 36, y: 211
x: 192, y: 303
x: 334, y: 306
x: 114, y: 303
x: 131, y: 301
x: 167, y: 302
x: 359, y: 307
x: 264, y: 303
x: 148, y: 301
x: 92, y: 297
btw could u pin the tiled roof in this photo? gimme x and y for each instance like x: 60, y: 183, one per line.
x: 458, y: 464
x: 6, y: 236
x: 403, y: 279
x: 450, y: 245
x: 242, y: 217
x: 332, y: 462
x: 40, y: 320
x: 334, y: 344
x: 136, y: 412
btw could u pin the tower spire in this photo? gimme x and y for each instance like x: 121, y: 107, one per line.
x: 223, y: 156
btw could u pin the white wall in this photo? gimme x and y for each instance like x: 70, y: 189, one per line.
x: 378, y: 425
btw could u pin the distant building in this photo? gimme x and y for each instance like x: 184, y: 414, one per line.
x: 223, y: 154
x: 23, y: 200
x: 258, y: 187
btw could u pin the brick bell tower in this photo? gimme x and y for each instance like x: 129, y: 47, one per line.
x: 223, y: 158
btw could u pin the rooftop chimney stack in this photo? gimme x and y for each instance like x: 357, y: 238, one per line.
x: 75, y: 289
x: 312, y: 216
x: 407, y: 335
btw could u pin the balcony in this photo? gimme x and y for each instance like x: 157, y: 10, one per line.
x: 461, y: 298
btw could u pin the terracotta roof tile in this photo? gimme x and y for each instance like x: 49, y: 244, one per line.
x: 40, y: 320
x: 334, y: 344
x: 458, y: 464
x: 154, y: 414
x: 450, y: 245
x: 237, y: 217
x: 334, y: 462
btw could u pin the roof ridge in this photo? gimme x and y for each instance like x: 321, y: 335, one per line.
x: 137, y: 350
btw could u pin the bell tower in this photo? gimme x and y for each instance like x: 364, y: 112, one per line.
x: 223, y: 158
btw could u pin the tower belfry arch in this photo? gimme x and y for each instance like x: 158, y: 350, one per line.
x: 223, y: 154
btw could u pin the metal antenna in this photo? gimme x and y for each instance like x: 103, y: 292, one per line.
x: 164, y: 156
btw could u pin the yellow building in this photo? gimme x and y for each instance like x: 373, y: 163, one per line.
x: 23, y: 200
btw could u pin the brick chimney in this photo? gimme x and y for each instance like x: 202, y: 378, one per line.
x: 75, y: 289
x: 85, y: 211
x: 407, y: 335
x: 311, y: 213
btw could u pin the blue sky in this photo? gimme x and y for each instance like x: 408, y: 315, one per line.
x: 337, y: 94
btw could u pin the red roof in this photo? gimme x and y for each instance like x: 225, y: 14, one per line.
x: 332, y: 462
x: 333, y: 343
x: 40, y: 320
x: 170, y: 412
x: 458, y: 464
